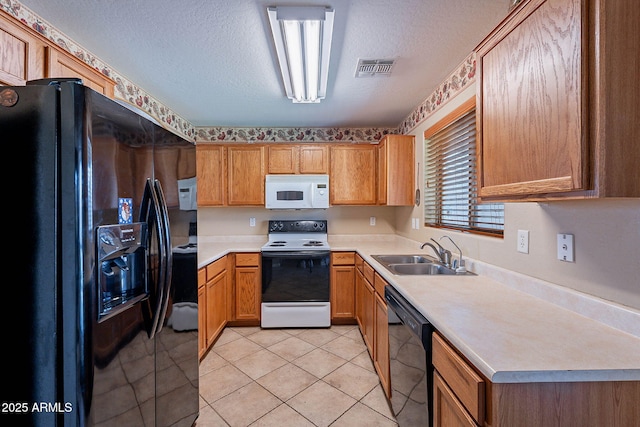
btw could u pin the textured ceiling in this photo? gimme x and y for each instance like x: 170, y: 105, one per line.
x: 213, y: 62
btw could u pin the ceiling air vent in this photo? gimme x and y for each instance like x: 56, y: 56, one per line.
x: 374, y: 67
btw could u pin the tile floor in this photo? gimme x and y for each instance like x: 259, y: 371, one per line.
x: 291, y: 377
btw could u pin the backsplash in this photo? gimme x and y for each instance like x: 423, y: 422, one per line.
x: 135, y: 95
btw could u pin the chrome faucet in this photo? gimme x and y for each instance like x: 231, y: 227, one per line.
x: 461, y: 267
x: 443, y: 255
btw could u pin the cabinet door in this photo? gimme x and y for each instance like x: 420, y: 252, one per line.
x: 247, y: 293
x: 396, y: 170
x: 359, y: 292
x: 381, y: 344
x: 216, y: 306
x: 202, y: 312
x: 314, y: 159
x: 23, y: 54
x: 342, y: 292
x: 210, y: 174
x: 447, y: 409
x: 532, y: 103
x: 245, y: 176
x: 368, y: 314
x: 282, y: 159
x: 61, y: 64
x: 353, y: 175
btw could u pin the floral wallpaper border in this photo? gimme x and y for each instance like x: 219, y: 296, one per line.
x: 124, y: 89
x: 133, y: 94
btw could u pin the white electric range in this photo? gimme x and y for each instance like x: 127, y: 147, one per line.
x: 295, y: 275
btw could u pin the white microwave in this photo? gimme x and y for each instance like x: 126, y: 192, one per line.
x: 297, y: 191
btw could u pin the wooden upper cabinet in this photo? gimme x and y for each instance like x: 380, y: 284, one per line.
x: 396, y: 170
x: 555, y: 102
x: 26, y: 55
x: 63, y: 65
x: 282, y: 159
x: 314, y: 159
x: 298, y: 159
x: 245, y: 175
x: 23, y: 54
x: 353, y: 174
x: 210, y: 173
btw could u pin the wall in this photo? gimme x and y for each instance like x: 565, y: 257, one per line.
x: 606, y: 236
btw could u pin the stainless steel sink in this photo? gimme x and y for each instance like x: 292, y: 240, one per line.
x: 402, y: 259
x: 420, y: 269
x: 416, y: 265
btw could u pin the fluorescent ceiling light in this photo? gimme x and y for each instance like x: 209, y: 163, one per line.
x: 302, y: 37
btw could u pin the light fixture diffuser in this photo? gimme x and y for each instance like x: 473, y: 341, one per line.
x: 302, y: 37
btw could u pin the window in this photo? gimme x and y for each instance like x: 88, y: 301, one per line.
x: 450, y: 187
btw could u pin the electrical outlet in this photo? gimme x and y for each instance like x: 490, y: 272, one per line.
x: 523, y: 241
x: 252, y: 222
x: 565, y: 247
x: 372, y: 220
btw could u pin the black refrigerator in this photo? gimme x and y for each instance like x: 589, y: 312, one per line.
x: 89, y: 316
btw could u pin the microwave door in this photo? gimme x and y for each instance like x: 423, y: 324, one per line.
x: 290, y: 196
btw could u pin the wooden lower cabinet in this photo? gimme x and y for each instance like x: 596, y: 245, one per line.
x: 381, y: 359
x: 447, y: 409
x: 342, y: 283
x: 213, y: 289
x: 216, y: 306
x: 459, y: 393
x: 381, y: 344
x: 202, y: 314
x: 463, y: 397
x: 247, y: 292
x: 373, y: 320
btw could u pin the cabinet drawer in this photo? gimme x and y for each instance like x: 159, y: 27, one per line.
x: 359, y: 263
x: 368, y: 273
x: 461, y: 378
x: 216, y: 267
x: 202, y: 276
x: 247, y: 259
x: 379, y: 283
x: 343, y: 258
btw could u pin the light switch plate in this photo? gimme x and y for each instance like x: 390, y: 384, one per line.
x: 565, y: 247
x: 523, y: 241
x: 252, y: 222
x: 372, y: 220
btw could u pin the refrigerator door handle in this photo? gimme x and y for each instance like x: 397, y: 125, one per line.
x: 151, y: 214
x: 166, y: 255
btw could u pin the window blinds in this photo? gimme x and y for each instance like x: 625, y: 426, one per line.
x: 450, y: 180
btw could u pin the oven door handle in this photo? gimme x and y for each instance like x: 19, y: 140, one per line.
x: 295, y: 254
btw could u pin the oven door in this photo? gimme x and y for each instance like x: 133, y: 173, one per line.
x: 295, y: 290
x: 295, y: 276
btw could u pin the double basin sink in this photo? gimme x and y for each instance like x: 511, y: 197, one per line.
x: 415, y: 265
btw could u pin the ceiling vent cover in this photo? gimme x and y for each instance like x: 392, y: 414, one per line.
x: 374, y: 67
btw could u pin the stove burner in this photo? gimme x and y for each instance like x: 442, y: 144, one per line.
x: 280, y: 242
x: 314, y: 243
x: 277, y: 244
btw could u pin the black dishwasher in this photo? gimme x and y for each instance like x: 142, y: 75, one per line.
x: 410, y: 362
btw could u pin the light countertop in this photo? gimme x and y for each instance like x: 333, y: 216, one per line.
x: 512, y: 327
